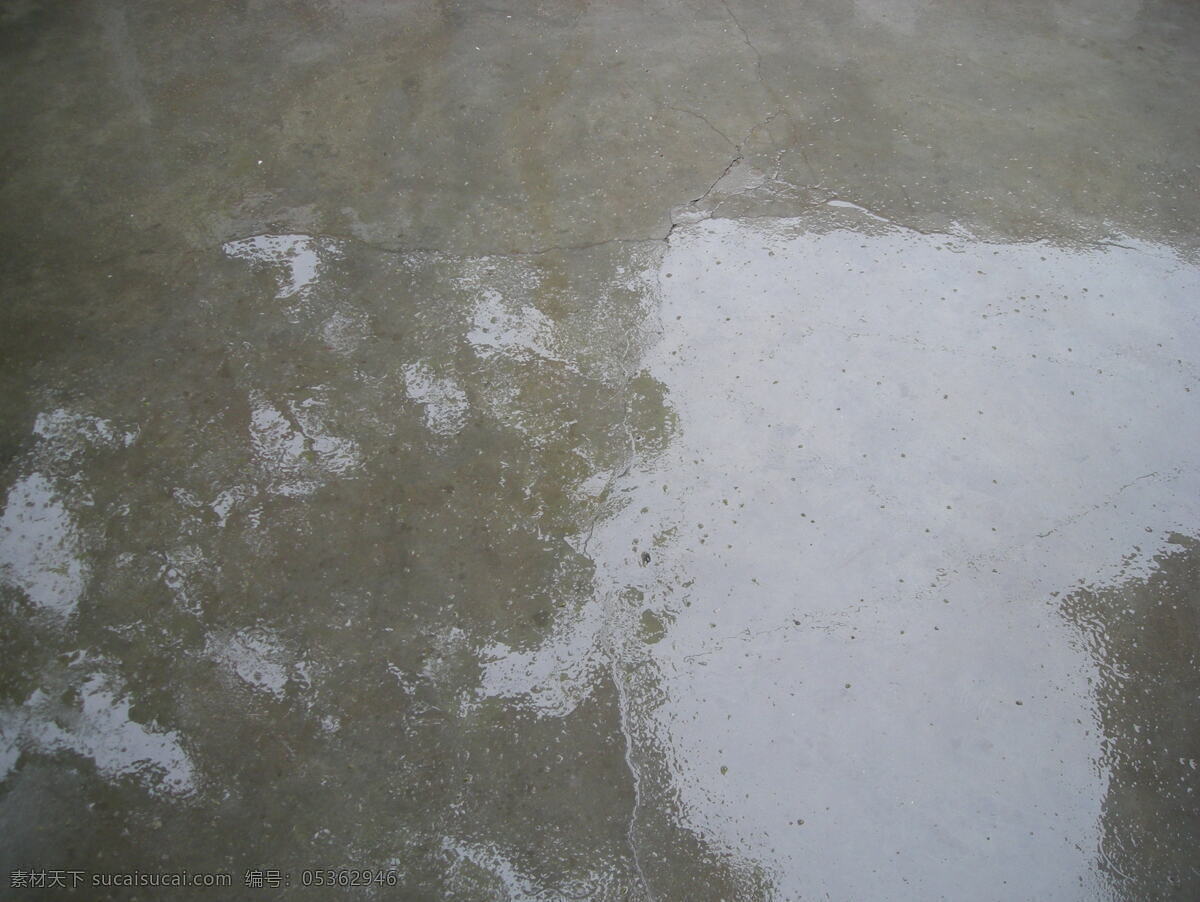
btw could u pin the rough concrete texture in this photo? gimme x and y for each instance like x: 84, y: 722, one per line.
x: 566, y: 450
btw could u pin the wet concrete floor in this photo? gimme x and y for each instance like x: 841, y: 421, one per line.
x: 566, y: 450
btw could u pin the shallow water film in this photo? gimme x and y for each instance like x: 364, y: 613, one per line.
x: 565, y: 450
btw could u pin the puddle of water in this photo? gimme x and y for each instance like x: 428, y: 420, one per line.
x: 894, y: 452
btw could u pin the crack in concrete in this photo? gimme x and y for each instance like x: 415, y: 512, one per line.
x: 611, y: 649
x: 758, y: 58
x: 634, y: 770
x: 749, y: 43
x: 1107, y: 502
x: 738, y: 156
x: 705, y: 120
x: 609, y: 632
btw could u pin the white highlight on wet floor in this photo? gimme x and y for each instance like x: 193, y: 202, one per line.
x: 506, y: 879
x: 256, y: 657
x: 296, y: 258
x: 67, y: 432
x: 99, y: 728
x: 551, y: 678
x: 40, y: 543
x: 893, y: 449
x: 498, y: 327
x: 294, y: 446
x: 39, y: 546
x: 444, y: 402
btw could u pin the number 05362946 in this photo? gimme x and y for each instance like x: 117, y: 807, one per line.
x: 348, y: 877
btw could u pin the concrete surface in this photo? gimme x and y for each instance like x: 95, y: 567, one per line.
x: 564, y: 450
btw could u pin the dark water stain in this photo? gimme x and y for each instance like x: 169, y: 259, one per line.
x: 1145, y: 635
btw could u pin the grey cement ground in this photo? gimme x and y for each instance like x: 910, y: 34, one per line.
x: 670, y: 451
